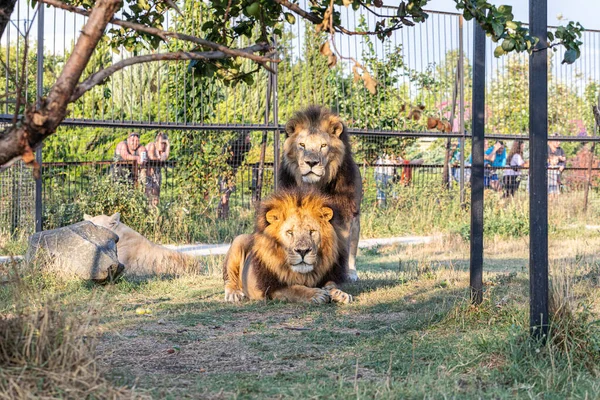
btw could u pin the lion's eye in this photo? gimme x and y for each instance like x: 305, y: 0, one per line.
x: 324, y: 145
x: 290, y: 233
x: 302, y: 145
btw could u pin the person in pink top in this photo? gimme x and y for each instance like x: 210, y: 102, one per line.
x: 158, y: 151
x: 129, y: 149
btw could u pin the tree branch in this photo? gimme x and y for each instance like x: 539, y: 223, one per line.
x: 166, y: 35
x: 18, y: 141
x: 6, y: 9
x: 103, y: 74
x: 317, y: 20
x: 296, y: 8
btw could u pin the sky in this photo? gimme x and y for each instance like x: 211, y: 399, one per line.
x: 584, y: 11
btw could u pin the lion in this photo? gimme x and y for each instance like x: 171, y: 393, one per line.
x: 140, y: 256
x: 293, y: 254
x: 317, y: 153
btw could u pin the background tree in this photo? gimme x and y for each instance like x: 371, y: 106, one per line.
x: 142, y: 27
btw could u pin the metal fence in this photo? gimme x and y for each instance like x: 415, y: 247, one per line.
x: 224, y: 139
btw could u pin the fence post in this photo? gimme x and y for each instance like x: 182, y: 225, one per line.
x: 588, y: 178
x: 478, y: 107
x: 538, y: 188
x: 39, y: 223
x: 461, y: 110
x: 276, y: 133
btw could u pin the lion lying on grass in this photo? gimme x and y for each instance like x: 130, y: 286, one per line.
x: 139, y: 255
x: 293, y: 255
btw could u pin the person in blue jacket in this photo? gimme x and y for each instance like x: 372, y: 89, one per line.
x: 495, y: 157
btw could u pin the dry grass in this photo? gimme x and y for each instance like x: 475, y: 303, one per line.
x: 48, y: 351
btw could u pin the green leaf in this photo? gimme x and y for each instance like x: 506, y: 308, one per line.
x: 498, y: 28
x: 512, y: 25
x: 551, y: 36
x: 290, y: 18
x: 570, y: 56
x: 503, y: 9
x: 508, y: 45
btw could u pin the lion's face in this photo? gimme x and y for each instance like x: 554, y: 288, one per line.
x: 104, y: 221
x: 300, y: 232
x: 313, y: 149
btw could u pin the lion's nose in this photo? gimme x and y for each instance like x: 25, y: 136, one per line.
x: 302, y: 252
x: 312, y: 163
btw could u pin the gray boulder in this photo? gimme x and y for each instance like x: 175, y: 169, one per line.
x: 82, y: 249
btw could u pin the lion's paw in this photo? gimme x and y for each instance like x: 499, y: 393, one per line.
x: 320, y: 296
x: 352, y: 275
x: 340, y: 296
x: 234, y: 296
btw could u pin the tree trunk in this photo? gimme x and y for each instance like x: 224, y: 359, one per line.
x: 18, y: 141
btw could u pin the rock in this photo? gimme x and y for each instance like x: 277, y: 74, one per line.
x: 82, y: 249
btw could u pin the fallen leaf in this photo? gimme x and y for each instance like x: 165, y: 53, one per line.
x: 414, y: 114
x: 447, y: 127
x: 431, y: 122
x: 357, y: 76
x: 325, y: 50
x: 331, y: 60
x: 370, y: 83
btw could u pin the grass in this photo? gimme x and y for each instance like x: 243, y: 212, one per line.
x: 412, y: 332
x: 432, y: 211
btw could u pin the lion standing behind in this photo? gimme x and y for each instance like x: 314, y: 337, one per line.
x: 317, y: 153
x: 293, y: 254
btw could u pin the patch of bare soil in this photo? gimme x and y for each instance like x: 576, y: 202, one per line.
x: 168, y: 347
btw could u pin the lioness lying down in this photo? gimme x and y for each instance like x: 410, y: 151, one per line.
x: 293, y: 254
x: 139, y: 255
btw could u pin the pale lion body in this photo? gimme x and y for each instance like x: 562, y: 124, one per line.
x: 292, y: 255
x: 139, y: 255
x: 317, y: 154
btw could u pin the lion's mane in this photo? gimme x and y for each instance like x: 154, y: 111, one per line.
x: 343, y: 175
x: 267, y: 254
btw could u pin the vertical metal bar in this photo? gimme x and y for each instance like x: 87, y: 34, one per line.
x: 461, y: 107
x: 276, y: 133
x: 39, y: 89
x: 538, y: 150
x: 478, y: 107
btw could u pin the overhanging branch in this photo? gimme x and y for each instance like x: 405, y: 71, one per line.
x: 6, y: 9
x: 19, y: 140
x: 166, y: 35
x: 103, y: 74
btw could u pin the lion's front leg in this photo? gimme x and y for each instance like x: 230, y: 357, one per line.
x: 336, y: 294
x: 233, y: 266
x: 353, y: 242
x: 301, y: 294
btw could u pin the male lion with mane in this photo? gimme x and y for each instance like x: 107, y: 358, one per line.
x: 317, y: 153
x: 293, y: 254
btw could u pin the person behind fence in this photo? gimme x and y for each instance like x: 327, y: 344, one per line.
x: 554, y: 150
x: 515, y: 161
x: 158, y: 151
x: 495, y: 157
x: 553, y: 176
x: 384, y: 175
x: 129, y: 149
x: 455, y: 166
